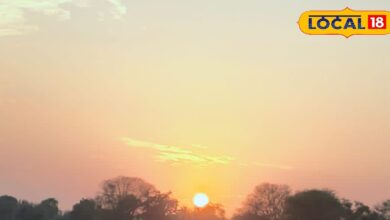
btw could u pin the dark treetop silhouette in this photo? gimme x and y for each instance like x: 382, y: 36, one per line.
x: 129, y: 198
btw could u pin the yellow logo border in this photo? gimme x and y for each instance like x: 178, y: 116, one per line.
x: 303, y: 22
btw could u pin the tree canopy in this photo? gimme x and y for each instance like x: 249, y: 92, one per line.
x: 267, y: 202
x: 130, y: 198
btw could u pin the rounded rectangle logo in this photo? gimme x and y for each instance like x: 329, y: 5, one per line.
x: 345, y: 22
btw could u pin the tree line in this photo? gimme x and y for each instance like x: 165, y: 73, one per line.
x: 129, y: 198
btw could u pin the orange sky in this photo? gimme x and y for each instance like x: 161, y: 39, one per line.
x: 191, y: 96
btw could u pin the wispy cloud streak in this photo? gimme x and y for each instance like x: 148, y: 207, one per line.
x: 191, y: 155
x: 13, y: 20
x: 179, y: 155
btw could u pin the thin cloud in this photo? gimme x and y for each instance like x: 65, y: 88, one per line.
x: 179, y: 155
x: 176, y: 155
x: 13, y: 19
x: 119, y: 8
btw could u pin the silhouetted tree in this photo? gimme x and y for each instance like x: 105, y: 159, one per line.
x: 384, y: 209
x: 359, y: 211
x: 86, y: 209
x: 267, y: 202
x: 248, y: 216
x: 124, y: 198
x: 210, y: 212
x: 314, y: 205
x: 159, y: 206
x: 48, y: 209
x: 27, y: 211
x: 8, y: 207
x: 119, y: 188
x: 127, y: 198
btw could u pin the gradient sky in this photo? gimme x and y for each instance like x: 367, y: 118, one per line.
x: 212, y: 96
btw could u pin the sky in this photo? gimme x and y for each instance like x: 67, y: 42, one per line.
x: 192, y: 96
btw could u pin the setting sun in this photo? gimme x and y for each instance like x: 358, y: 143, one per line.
x: 200, y: 200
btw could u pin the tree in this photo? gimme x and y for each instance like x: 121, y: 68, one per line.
x: 359, y: 211
x: 86, y: 209
x: 120, y: 188
x: 8, y: 207
x: 160, y: 206
x: 48, y: 209
x: 314, y: 204
x: 127, y: 208
x: 124, y: 198
x: 266, y: 202
x: 27, y: 211
x: 249, y: 216
x: 210, y: 212
x: 384, y: 209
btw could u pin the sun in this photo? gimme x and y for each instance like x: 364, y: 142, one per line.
x: 200, y: 200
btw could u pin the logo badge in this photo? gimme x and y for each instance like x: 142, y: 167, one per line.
x: 346, y: 22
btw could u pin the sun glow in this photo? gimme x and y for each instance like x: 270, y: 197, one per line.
x: 200, y: 200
